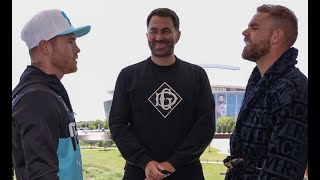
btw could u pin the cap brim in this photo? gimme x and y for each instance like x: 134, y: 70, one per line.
x: 78, y: 32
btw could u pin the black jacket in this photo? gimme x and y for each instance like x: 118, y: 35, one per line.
x: 44, y: 137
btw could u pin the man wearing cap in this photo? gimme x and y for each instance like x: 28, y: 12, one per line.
x: 44, y: 136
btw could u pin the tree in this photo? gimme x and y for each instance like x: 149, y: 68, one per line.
x: 226, y: 124
x: 93, y: 124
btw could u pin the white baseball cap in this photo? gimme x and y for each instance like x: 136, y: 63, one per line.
x: 48, y: 24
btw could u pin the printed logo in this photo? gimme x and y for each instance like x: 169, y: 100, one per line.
x: 165, y: 99
x: 73, y: 129
x: 73, y: 135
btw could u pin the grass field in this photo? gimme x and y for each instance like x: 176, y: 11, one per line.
x: 107, y: 164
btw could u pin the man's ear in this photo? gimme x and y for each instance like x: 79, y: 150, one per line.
x: 44, y: 47
x: 277, y: 36
x: 178, y: 34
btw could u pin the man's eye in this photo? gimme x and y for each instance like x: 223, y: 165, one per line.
x: 153, y: 32
x: 166, y: 31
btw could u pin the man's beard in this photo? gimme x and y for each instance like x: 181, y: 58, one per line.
x: 164, y: 52
x: 256, y: 50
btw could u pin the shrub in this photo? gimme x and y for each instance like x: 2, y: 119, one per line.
x: 226, y: 124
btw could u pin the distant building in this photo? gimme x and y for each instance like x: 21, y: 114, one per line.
x: 107, y: 107
x: 233, y: 96
x: 232, y: 99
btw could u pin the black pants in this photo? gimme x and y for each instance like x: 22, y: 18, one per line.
x: 190, y: 172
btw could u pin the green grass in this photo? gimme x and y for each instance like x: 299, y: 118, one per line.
x: 102, y: 164
x: 212, y: 154
x: 212, y: 171
x: 99, y: 164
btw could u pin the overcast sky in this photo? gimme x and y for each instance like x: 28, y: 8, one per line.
x: 210, y: 34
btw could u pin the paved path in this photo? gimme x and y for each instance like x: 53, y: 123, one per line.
x: 221, y: 144
x: 211, y: 162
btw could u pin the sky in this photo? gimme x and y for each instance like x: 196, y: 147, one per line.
x: 210, y: 34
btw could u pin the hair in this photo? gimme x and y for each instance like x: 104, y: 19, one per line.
x: 221, y: 95
x: 165, y: 12
x: 284, y: 19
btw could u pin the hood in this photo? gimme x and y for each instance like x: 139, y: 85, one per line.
x: 33, y: 74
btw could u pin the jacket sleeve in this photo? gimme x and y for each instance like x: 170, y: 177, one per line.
x: 288, y: 152
x: 36, y: 120
x: 202, y: 132
x: 119, y: 123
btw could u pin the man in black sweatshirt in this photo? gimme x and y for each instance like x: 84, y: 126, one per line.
x: 162, y: 114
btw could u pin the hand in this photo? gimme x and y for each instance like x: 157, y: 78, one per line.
x: 164, y: 166
x: 153, y: 172
x: 167, y: 166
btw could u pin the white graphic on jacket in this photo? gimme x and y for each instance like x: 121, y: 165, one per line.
x: 165, y: 99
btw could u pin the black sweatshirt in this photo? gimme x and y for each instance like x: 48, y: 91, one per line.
x: 162, y: 113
